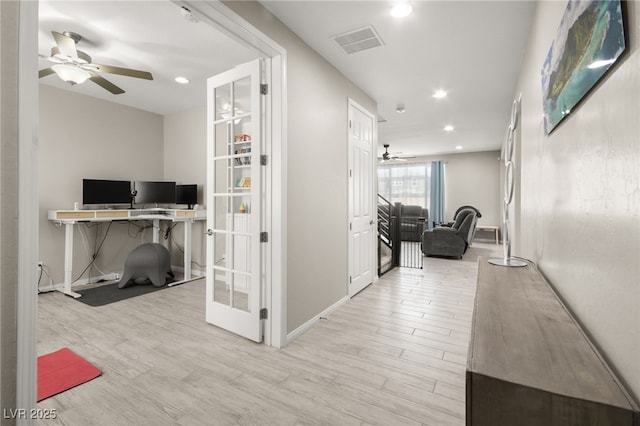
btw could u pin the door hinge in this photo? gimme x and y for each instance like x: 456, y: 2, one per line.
x: 264, y: 89
x: 349, y: 279
x: 264, y: 237
x: 263, y: 160
x: 350, y: 226
x: 264, y: 313
x: 349, y: 123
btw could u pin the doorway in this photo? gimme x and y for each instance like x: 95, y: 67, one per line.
x: 362, y: 218
x: 220, y: 17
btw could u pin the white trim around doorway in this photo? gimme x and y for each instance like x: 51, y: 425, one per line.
x: 223, y: 18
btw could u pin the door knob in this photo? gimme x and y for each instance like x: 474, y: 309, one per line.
x: 209, y: 232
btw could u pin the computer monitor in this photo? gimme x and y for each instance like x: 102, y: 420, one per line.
x: 154, y: 192
x: 100, y: 191
x: 187, y: 194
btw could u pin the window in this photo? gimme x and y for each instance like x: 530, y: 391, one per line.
x: 405, y: 183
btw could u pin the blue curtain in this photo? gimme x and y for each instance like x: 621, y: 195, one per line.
x: 436, y: 207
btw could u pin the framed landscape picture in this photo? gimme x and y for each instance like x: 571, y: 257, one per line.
x: 588, y: 42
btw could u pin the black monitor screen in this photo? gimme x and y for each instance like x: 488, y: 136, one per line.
x: 187, y: 194
x: 154, y: 192
x: 97, y: 191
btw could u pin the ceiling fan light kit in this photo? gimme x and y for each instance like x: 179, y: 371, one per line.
x: 70, y: 73
x: 75, y: 67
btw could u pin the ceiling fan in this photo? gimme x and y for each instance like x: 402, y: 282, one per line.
x: 75, y: 67
x: 388, y: 157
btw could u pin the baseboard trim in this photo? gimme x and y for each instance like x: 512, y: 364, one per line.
x: 113, y: 276
x: 313, y: 321
x: 196, y: 273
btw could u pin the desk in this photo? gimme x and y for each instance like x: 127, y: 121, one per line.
x: 69, y: 218
x: 492, y: 228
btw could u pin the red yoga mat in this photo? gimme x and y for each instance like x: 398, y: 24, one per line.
x: 61, y: 370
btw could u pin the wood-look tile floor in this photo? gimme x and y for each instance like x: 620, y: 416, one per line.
x: 394, y: 355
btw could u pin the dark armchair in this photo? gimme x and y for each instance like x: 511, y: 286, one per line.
x: 413, y: 222
x: 450, y: 224
x: 450, y: 241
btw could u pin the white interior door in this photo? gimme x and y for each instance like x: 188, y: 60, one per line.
x: 361, y: 212
x: 234, y: 183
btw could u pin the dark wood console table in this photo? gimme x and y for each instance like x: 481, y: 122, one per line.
x: 531, y: 364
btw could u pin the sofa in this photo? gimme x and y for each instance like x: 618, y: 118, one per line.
x: 413, y: 222
x: 451, y: 241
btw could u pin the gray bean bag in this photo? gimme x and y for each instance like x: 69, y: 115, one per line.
x: 147, y: 262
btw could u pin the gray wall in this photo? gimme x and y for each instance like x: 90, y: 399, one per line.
x: 185, y: 154
x: 472, y: 179
x: 84, y: 137
x: 580, y: 196
x: 317, y: 268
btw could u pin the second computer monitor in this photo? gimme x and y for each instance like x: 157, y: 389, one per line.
x: 147, y: 192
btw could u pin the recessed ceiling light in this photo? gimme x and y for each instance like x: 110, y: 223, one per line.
x: 400, y: 109
x: 439, y: 94
x: 448, y: 128
x: 459, y: 147
x: 400, y: 10
x: 182, y: 80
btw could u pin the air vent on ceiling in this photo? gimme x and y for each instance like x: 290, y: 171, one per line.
x: 358, y: 40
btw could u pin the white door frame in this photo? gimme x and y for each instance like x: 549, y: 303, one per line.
x: 373, y: 180
x: 28, y: 205
x: 228, y: 22
x: 225, y: 20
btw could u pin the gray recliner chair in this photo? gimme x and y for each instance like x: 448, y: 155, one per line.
x: 149, y: 262
x: 451, y: 241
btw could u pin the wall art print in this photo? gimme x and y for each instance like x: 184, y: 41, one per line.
x: 589, y: 40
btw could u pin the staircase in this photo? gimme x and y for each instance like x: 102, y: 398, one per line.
x: 387, y: 255
x: 394, y: 248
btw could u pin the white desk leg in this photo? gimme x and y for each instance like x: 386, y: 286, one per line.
x: 156, y: 231
x: 187, y: 249
x: 68, y: 260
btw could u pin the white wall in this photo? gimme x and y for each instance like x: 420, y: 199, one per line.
x: 84, y: 137
x: 317, y: 270
x: 9, y: 173
x: 580, y: 195
x: 472, y: 179
x: 185, y: 154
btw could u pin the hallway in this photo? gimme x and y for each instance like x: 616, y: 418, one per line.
x: 395, y: 354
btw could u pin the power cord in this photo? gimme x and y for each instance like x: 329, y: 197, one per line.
x: 95, y: 254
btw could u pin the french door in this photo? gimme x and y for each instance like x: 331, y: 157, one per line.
x: 234, y: 200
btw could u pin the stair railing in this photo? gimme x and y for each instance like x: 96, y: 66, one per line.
x: 388, y: 233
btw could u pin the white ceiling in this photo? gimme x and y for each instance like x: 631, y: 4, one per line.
x: 472, y: 49
x: 144, y: 35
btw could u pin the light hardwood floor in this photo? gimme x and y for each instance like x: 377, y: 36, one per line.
x: 394, y: 355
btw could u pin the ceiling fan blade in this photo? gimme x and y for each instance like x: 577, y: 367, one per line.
x: 105, y: 84
x: 66, y: 45
x: 45, y: 72
x: 123, y: 71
